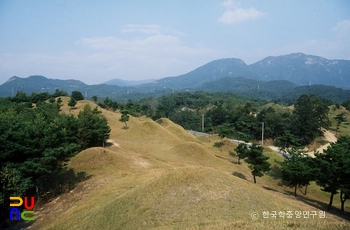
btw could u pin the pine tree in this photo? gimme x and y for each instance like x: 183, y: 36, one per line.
x: 72, y: 103
x: 334, y: 169
x: 297, y: 169
x: 125, y: 117
x: 257, y: 161
x: 242, y: 151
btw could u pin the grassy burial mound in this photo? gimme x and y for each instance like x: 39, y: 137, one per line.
x: 157, y: 176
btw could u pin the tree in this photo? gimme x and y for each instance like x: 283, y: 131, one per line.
x: 59, y: 101
x: 94, y: 98
x: 34, y: 141
x: 58, y: 93
x: 334, y: 168
x: 52, y: 100
x: 310, y: 114
x: 167, y: 105
x: 124, y: 118
x: 346, y: 104
x: 76, y: 95
x: 242, y: 151
x: 297, y: 169
x: 187, y: 119
x: 340, y: 118
x: 72, y: 103
x: 225, y: 130
x: 287, y: 140
x: 257, y: 161
x: 93, y: 128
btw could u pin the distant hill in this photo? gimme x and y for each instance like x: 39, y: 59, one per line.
x: 273, y: 78
x: 297, y: 68
x: 229, y: 67
x: 264, y: 90
x: 303, y: 70
x: 42, y: 84
x: 38, y: 83
x: 121, y: 82
x: 276, y: 90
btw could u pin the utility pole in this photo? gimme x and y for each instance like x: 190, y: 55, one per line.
x: 262, y: 133
x: 203, y: 122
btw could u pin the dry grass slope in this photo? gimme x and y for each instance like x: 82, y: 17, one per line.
x: 160, y: 177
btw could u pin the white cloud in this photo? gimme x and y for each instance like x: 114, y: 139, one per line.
x: 148, y: 29
x: 343, y: 30
x: 155, y: 41
x: 233, y: 13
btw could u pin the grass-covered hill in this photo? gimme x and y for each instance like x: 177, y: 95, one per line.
x: 155, y: 175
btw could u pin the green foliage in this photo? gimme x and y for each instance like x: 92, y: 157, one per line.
x: 72, y: 103
x: 59, y: 93
x: 276, y: 122
x: 297, y: 169
x: 187, y: 119
x: 257, y: 161
x: 93, y: 128
x: 287, y: 140
x: 346, y: 104
x: 225, y: 130
x: 340, y: 118
x: 36, y: 142
x: 59, y: 101
x: 125, y: 117
x: 109, y: 104
x: 310, y: 114
x: 94, y: 98
x: 334, y: 168
x: 242, y: 151
x: 52, y: 100
x: 12, y: 183
x: 77, y: 96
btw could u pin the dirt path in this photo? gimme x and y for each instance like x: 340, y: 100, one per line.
x: 330, y: 137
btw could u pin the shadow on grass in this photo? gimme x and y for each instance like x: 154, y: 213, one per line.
x: 320, y: 205
x: 59, y: 183
x: 50, y: 187
x: 219, y: 145
x: 108, y: 144
x: 270, y: 189
x: 240, y: 175
x: 275, y: 172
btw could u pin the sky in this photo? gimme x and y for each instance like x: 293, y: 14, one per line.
x: 96, y: 41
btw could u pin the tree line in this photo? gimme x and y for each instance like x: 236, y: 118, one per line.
x: 37, y: 140
x: 236, y: 116
x: 330, y: 170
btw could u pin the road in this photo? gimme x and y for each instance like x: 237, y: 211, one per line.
x: 330, y: 137
x: 200, y: 134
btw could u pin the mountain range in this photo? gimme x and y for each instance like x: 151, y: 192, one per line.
x: 271, y: 78
x: 121, y: 82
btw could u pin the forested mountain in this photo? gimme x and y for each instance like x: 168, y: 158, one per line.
x: 121, y: 82
x: 229, y: 67
x: 273, y: 78
x: 38, y: 83
x: 304, y: 69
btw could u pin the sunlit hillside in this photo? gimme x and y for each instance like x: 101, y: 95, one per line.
x: 155, y: 175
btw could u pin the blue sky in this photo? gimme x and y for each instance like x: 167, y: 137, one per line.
x: 95, y: 41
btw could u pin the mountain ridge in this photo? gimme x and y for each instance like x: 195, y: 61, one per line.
x: 294, y: 70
